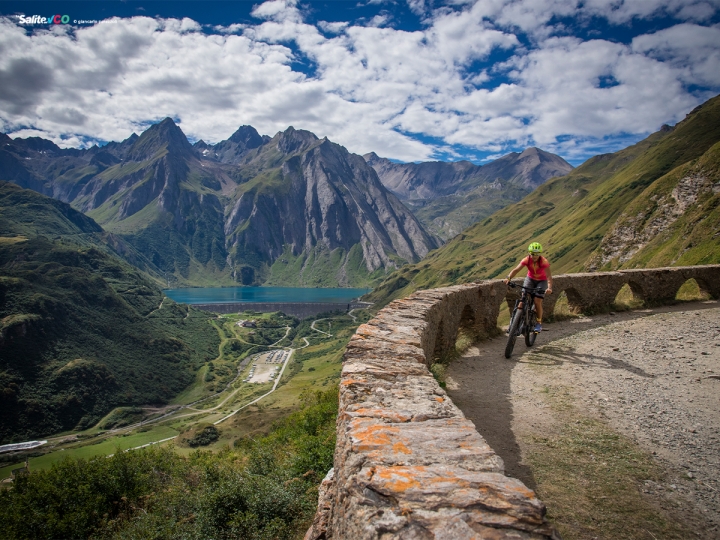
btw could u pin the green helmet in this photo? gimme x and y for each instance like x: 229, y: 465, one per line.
x: 535, y: 247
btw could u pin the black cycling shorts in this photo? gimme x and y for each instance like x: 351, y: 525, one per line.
x: 533, y: 284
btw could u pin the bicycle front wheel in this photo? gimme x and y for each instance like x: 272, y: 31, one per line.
x: 513, y: 333
x: 530, y: 334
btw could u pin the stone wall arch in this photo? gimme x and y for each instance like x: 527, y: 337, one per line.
x: 637, y: 290
x: 626, y: 298
x: 576, y: 303
x: 706, y: 279
x: 443, y: 343
x: 704, y: 288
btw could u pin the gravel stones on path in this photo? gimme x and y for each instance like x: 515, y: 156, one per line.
x: 651, y: 375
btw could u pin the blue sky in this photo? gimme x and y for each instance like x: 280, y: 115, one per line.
x: 412, y: 80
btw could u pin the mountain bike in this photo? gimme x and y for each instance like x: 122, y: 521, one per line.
x: 522, y: 320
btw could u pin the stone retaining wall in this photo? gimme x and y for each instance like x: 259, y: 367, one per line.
x: 408, y: 464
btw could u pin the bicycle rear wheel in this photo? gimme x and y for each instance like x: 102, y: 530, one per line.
x: 513, y: 333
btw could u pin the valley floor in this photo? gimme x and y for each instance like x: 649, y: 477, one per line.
x: 613, y: 419
x: 257, y: 391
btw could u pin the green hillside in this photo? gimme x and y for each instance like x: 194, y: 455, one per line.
x: 579, y: 217
x: 81, y: 331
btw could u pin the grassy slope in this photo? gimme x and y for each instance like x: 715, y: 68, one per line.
x: 570, y: 215
x: 80, y: 331
x: 692, y: 238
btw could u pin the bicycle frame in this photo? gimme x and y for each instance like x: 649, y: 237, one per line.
x: 525, y: 322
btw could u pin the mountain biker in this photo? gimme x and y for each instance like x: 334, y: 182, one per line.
x: 538, y: 276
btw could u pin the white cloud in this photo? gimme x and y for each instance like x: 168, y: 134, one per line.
x: 332, y: 27
x: 533, y: 16
x: 623, y: 11
x: 691, y: 49
x: 368, y: 88
x: 278, y: 10
x: 381, y: 19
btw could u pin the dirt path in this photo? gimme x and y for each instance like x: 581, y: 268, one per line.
x: 649, y: 377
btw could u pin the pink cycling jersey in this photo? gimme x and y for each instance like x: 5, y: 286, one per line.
x: 536, y: 271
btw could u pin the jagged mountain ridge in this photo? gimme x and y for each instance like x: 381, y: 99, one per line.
x: 449, y: 197
x: 292, y: 209
x: 345, y: 211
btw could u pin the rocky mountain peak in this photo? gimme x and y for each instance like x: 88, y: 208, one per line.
x: 232, y: 150
x: 532, y: 151
x: 292, y: 141
x: 247, y: 136
x: 541, y: 155
x: 165, y: 135
x: 37, y: 144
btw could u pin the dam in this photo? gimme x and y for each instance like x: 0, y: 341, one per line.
x: 296, y: 301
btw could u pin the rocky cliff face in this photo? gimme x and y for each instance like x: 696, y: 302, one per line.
x: 293, y: 209
x: 449, y: 197
x: 325, y: 199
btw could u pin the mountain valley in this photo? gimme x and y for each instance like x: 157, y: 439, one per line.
x: 81, y: 330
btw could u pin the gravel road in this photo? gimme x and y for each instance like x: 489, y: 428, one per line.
x: 651, y: 375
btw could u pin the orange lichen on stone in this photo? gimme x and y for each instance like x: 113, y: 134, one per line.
x: 372, y: 436
x: 348, y: 382
x: 400, y: 448
x: 399, y: 479
x: 439, y: 399
x: 385, y: 414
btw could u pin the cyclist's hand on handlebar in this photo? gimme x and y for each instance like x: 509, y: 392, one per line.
x: 506, y: 281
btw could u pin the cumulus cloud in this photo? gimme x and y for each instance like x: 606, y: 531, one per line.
x: 692, y: 50
x: 332, y: 27
x: 488, y: 76
x: 278, y: 10
x: 22, y: 84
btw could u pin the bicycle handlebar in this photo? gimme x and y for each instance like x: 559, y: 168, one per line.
x: 528, y: 289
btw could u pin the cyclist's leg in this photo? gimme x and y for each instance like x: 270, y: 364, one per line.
x: 538, y: 298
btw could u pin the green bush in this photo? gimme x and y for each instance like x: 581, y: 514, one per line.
x: 263, y: 489
x: 205, y: 436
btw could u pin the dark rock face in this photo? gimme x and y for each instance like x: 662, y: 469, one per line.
x: 325, y: 197
x: 232, y: 150
x: 233, y: 208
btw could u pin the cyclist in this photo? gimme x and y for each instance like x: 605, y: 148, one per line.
x: 538, y: 276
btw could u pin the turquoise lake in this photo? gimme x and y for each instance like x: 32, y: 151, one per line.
x: 226, y: 295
